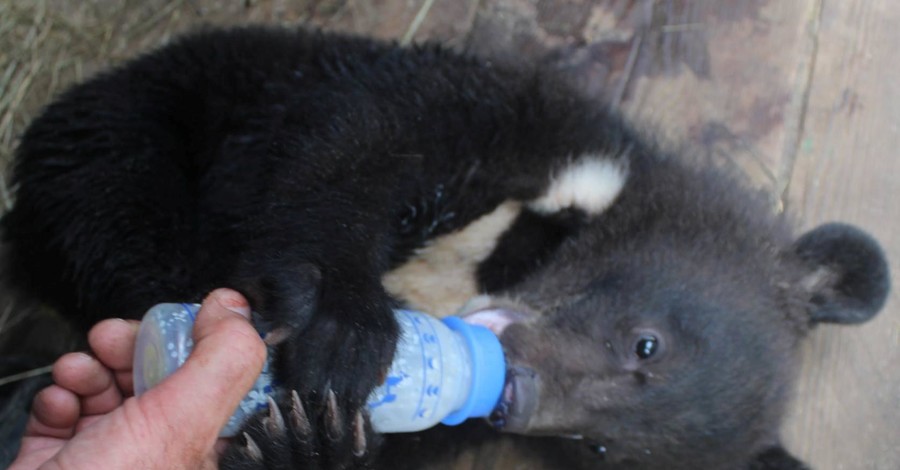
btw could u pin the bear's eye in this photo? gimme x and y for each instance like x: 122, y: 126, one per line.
x: 646, y: 346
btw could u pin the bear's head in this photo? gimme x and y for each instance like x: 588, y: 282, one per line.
x: 665, y: 331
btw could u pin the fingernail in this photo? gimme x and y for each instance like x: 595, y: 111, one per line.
x: 233, y: 301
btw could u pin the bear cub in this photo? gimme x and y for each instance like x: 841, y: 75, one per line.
x: 650, y: 307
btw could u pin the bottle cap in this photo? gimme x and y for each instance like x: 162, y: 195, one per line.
x: 488, y: 371
x: 163, y: 343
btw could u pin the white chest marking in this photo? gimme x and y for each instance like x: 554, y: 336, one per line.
x: 441, y: 277
x: 590, y: 183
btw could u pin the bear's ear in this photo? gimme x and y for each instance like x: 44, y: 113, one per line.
x: 776, y: 458
x: 848, y: 277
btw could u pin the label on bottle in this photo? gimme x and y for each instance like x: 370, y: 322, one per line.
x: 425, y: 380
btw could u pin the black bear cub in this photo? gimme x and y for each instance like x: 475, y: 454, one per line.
x: 650, y: 308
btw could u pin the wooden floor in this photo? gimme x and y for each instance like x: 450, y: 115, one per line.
x: 803, y: 95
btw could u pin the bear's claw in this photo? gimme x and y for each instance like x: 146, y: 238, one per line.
x: 252, y: 449
x: 359, y: 435
x: 274, y: 423
x: 334, y: 423
x: 299, y: 420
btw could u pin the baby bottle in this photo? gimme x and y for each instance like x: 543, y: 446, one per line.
x: 444, y: 371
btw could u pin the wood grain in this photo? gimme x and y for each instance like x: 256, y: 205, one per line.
x: 743, y: 105
x: 847, y: 410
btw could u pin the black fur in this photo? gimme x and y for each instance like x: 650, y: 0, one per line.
x: 850, y: 273
x: 299, y: 167
x: 776, y: 458
x: 529, y: 242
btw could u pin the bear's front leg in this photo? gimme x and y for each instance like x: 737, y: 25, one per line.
x: 312, y: 273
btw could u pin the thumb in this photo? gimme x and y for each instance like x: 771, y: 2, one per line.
x: 227, y: 358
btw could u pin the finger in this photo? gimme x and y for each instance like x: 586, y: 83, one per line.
x: 103, y: 402
x: 88, y: 378
x: 227, y: 358
x: 125, y: 382
x: 82, y: 374
x: 54, y: 413
x: 112, y: 341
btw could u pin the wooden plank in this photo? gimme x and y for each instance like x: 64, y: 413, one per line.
x: 847, y: 411
x: 725, y: 79
x: 729, y: 81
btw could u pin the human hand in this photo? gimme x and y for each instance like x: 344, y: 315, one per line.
x: 89, y: 418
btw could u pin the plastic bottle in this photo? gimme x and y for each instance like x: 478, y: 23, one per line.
x: 444, y: 371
